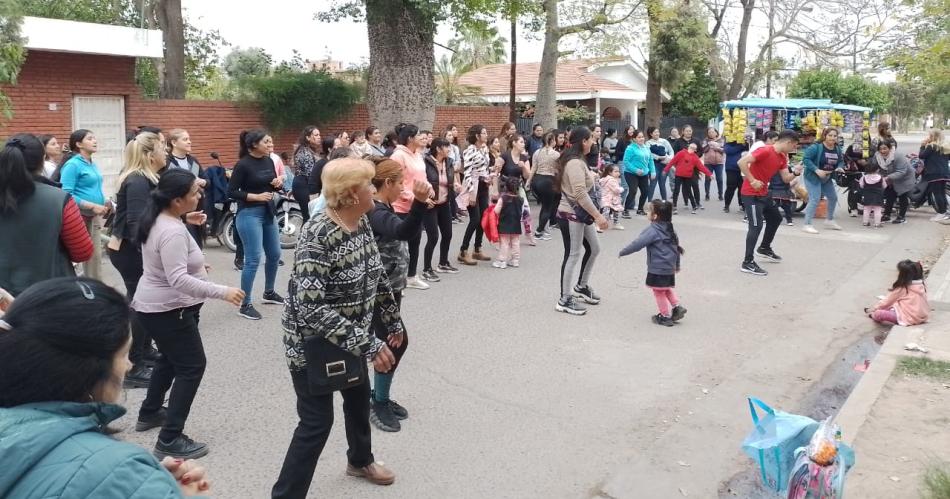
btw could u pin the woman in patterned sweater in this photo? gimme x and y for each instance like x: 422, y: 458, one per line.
x: 340, y: 284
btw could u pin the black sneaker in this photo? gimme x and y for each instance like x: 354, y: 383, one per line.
x: 586, y: 294
x: 662, y: 320
x: 181, y: 448
x: 768, y: 254
x: 238, y: 265
x: 249, y: 312
x: 280, y: 263
x: 707, y: 197
x: 570, y: 306
x: 399, y: 411
x: 885, y: 218
x: 430, y: 275
x: 675, y: 211
x: 625, y: 214
x: 156, y: 420
x: 381, y: 414
x: 446, y: 268
x: 752, y: 268
x: 272, y: 298
x: 138, y: 377
x: 678, y: 313
x: 899, y: 220
x: 151, y: 356
x: 725, y: 209
x: 641, y: 213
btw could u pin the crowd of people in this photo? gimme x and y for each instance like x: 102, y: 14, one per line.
x: 357, y: 252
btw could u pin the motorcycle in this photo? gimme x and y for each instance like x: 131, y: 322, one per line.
x: 289, y: 220
x: 220, y: 223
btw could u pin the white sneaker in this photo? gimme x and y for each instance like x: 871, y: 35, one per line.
x: 810, y: 229
x: 498, y: 264
x: 831, y: 224
x: 618, y: 227
x: 416, y: 283
x: 939, y: 217
x: 514, y: 263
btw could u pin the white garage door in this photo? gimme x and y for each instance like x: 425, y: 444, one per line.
x: 105, y: 117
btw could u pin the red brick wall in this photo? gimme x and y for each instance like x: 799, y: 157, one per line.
x: 49, y: 77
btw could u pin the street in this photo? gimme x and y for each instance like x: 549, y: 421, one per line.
x: 508, y: 398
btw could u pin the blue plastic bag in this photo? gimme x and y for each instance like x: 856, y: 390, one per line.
x: 773, y: 441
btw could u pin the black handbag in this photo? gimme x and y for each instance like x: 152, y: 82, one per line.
x: 329, y: 367
x: 580, y: 213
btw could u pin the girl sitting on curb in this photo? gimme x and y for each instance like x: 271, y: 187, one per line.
x: 906, y: 304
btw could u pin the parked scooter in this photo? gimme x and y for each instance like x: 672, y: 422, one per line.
x: 222, y: 215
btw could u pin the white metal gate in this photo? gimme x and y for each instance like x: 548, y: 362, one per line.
x: 105, y: 117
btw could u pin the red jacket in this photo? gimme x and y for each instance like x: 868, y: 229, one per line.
x: 686, y: 163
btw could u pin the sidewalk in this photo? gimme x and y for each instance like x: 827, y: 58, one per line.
x: 898, y: 423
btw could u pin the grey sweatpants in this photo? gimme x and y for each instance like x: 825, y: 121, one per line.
x: 576, y: 236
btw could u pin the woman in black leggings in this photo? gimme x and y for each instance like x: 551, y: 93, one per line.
x: 305, y: 159
x: 543, y: 171
x: 440, y: 172
x: 475, y: 183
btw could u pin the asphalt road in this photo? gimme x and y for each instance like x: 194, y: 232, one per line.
x: 508, y: 398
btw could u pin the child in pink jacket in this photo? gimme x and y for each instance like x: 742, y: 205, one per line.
x: 610, y: 191
x: 907, y: 304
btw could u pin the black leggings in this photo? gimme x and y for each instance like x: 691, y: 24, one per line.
x: 475, y: 218
x: 938, y: 191
x: 641, y: 182
x: 686, y: 184
x: 543, y: 187
x: 733, y: 183
x: 438, y: 220
x: 381, y: 332
x: 890, y: 195
x: 301, y: 192
x: 128, y: 261
x: 761, y: 212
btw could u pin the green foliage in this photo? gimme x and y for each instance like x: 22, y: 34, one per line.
x: 432, y: 12
x: 477, y: 45
x: 294, y: 65
x: 296, y: 99
x: 573, y: 115
x: 936, y: 482
x: 448, y: 90
x: 697, y: 95
x: 12, y: 53
x: 249, y: 62
x: 677, y: 40
x: 201, y: 47
x: 830, y: 84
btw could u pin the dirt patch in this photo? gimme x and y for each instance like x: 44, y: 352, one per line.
x: 905, y: 435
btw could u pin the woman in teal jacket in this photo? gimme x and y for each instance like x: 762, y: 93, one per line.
x: 822, y: 160
x: 61, y: 370
x: 638, y: 170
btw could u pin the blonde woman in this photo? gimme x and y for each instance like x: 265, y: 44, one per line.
x: 144, y: 158
x: 338, y: 284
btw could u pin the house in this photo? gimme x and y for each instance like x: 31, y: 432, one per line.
x: 614, y: 88
x: 80, y: 75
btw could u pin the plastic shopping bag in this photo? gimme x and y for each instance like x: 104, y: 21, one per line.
x: 490, y: 224
x: 773, y: 440
x: 820, y: 468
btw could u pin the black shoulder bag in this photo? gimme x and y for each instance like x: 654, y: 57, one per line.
x: 329, y: 367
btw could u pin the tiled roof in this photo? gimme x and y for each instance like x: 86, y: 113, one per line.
x: 572, y: 77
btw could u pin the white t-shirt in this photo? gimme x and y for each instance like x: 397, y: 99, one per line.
x: 48, y: 168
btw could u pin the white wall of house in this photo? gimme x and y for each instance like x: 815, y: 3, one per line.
x: 624, y: 75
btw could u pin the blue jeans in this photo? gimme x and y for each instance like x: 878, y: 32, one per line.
x: 717, y: 171
x: 816, y: 189
x: 258, y: 229
x: 660, y: 180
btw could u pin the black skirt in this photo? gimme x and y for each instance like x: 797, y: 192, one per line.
x: 661, y: 280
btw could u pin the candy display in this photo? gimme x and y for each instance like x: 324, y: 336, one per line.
x: 743, y: 118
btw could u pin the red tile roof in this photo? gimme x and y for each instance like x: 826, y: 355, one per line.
x: 572, y: 77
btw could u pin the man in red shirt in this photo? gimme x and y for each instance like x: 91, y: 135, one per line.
x: 758, y: 168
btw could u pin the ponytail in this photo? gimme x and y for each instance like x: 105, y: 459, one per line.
x: 173, y: 184
x: 16, y: 183
x: 249, y: 139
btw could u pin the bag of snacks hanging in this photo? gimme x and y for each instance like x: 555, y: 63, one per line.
x: 820, y: 467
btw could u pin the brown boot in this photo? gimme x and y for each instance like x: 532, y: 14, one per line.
x: 478, y: 255
x: 375, y: 473
x: 465, y: 259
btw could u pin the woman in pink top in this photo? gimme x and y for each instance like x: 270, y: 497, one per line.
x: 906, y: 304
x: 408, y: 153
x: 168, y: 299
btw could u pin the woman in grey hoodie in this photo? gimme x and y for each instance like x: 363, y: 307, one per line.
x: 663, y: 261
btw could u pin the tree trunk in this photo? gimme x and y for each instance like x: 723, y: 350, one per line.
x: 168, y: 14
x: 546, y: 106
x: 401, y: 61
x: 738, y: 76
x: 512, y: 112
x: 654, y: 100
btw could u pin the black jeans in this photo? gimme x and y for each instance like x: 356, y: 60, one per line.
x: 890, y: 195
x: 938, y: 191
x: 475, y: 218
x: 733, y: 184
x: 637, y: 182
x: 717, y: 171
x: 128, y: 261
x: 316, y: 420
x: 685, y: 184
x: 543, y: 187
x: 761, y: 211
x: 786, y: 205
x: 438, y: 220
x: 180, y: 368
x: 414, y: 244
x: 301, y: 191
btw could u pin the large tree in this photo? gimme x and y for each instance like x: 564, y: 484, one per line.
x: 477, y: 45
x: 244, y: 63
x: 677, y: 39
x: 830, y: 84
x: 167, y: 13
x: 584, y: 19
x: 11, y: 49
